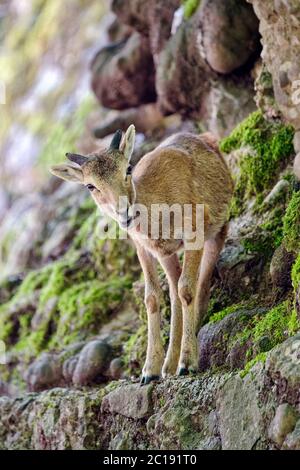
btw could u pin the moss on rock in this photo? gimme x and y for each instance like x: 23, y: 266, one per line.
x: 269, y: 144
x: 265, y: 331
x: 190, y: 7
x: 291, y: 224
x: 296, y: 273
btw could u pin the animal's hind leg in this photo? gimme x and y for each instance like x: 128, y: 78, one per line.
x: 212, y: 249
x: 187, y: 288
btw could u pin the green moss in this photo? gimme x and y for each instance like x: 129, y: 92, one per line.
x: 265, y: 330
x: 64, y: 135
x: 259, y: 358
x: 72, y: 298
x: 291, y: 224
x: 268, y: 145
x: 268, y: 235
x: 190, y: 7
x: 218, y: 316
x: 293, y: 323
x: 273, y: 324
x: 84, y: 307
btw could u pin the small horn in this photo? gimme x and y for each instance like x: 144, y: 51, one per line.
x: 116, y: 140
x: 74, y: 157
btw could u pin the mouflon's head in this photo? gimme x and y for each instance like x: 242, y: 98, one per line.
x: 105, y: 173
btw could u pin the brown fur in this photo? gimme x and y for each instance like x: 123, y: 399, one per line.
x: 184, y: 169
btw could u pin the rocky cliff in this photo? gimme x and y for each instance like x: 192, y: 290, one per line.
x: 72, y: 317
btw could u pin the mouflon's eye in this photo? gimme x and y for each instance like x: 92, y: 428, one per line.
x: 90, y: 187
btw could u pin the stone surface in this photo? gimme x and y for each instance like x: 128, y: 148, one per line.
x: 45, y: 372
x: 208, y: 411
x: 283, y: 365
x: 292, y: 440
x: 280, y: 268
x: 284, y: 422
x: 132, y: 401
x: 92, y: 361
x: 116, y: 368
x: 279, y: 26
x: 297, y: 166
x: 228, y: 33
x: 186, y: 83
x: 217, y: 345
x: 239, y: 409
x: 152, y: 18
x: 145, y: 118
x: 182, y: 75
x: 123, y: 74
x: 227, y: 103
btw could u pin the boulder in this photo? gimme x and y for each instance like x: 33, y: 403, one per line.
x: 44, y: 373
x: 123, y: 74
x: 292, y: 440
x: 152, y: 18
x: 279, y: 26
x: 280, y: 268
x: 92, y: 362
x: 182, y: 75
x: 218, y: 343
x: 116, y: 368
x: 186, y: 82
x: 239, y: 409
x: 227, y: 33
x: 284, y: 422
x: 132, y: 401
x: 283, y: 365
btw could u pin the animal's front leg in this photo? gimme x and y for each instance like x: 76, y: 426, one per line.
x: 187, y: 288
x: 172, y: 269
x: 155, y: 350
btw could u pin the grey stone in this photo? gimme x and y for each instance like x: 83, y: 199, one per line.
x: 229, y: 33
x: 211, y: 443
x: 132, y: 401
x: 297, y: 166
x: 93, y: 360
x: 69, y: 367
x: 283, y: 423
x: 279, y: 27
x: 116, y: 368
x: 240, y: 415
x: 292, y: 440
x: 44, y: 373
x: 123, y: 74
x: 280, y: 268
x: 283, y: 365
x: 214, y: 340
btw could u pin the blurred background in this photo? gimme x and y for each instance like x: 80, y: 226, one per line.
x: 45, y: 53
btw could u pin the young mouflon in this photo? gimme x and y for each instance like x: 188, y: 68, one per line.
x: 184, y: 170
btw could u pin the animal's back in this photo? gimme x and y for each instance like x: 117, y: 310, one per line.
x: 186, y: 168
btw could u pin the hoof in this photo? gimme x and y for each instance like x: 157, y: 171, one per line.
x: 186, y: 371
x: 146, y: 379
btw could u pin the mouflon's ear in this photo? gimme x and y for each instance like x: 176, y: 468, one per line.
x: 127, y: 144
x: 115, y: 143
x: 76, y: 158
x: 68, y: 172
